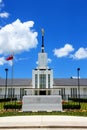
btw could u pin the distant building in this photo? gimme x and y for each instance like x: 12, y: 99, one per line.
x: 43, y: 83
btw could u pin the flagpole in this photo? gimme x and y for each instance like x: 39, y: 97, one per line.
x: 12, y: 76
x: 11, y: 57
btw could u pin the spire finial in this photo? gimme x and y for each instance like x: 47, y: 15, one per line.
x: 42, y: 48
x: 42, y: 30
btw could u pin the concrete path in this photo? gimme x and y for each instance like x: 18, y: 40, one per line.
x: 43, y: 122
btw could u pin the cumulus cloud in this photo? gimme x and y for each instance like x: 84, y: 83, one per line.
x: 65, y: 51
x: 2, y: 61
x: 4, y: 15
x: 17, y: 37
x: 80, y: 54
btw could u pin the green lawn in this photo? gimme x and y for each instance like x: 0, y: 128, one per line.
x: 84, y: 106
x: 81, y: 112
x: 68, y: 113
x: 1, y: 105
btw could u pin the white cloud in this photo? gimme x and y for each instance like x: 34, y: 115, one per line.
x: 49, y: 60
x: 80, y: 54
x: 37, y: 62
x: 4, y: 15
x: 17, y: 37
x: 20, y: 59
x: 0, y: 1
x: 63, y: 52
x: 2, y: 61
x: 1, y: 4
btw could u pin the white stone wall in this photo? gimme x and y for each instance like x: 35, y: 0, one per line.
x: 42, y: 103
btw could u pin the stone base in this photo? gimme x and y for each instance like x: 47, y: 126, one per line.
x: 42, y: 103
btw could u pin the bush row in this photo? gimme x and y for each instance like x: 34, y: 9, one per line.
x: 77, y: 99
x: 70, y: 106
x: 12, y: 106
x: 19, y: 106
x: 7, y: 99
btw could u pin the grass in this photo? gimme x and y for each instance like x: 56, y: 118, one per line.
x: 68, y: 113
x: 1, y: 105
x: 81, y: 112
x: 83, y: 106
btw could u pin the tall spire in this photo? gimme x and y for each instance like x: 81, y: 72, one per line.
x: 42, y: 47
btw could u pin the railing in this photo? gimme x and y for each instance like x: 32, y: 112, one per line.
x: 64, y: 97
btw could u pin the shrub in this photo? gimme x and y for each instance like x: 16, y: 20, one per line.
x: 12, y: 106
x: 71, y: 106
x: 77, y: 99
x: 7, y: 99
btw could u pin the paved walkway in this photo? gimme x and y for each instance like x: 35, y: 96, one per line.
x: 43, y: 122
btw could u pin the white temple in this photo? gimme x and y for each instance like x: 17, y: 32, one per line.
x: 42, y: 76
x: 41, y: 98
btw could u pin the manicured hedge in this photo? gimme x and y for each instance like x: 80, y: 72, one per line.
x: 71, y: 106
x: 19, y: 106
x: 12, y: 106
x: 77, y: 99
x: 7, y: 99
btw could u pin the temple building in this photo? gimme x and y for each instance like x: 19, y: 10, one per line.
x: 43, y: 82
x: 42, y: 78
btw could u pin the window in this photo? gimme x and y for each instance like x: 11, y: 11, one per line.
x: 42, y: 80
x: 11, y: 92
x: 36, y: 92
x: 36, y: 81
x: 22, y: 92
x: 1, y: 93
x: 63, y: 91
x: 48, y: 80
x: 49, y: 92
x: 0, y: 90
x: 73, y: 92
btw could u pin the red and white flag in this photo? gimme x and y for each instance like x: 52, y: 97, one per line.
x: 10, y: 57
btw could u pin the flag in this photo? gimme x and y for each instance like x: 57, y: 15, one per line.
x: 10, y: 57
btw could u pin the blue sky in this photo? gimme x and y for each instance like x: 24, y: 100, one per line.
x: 65, y: 25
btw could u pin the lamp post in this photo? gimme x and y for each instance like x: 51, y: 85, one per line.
x: 6, y: 70
x: 78, y: 69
